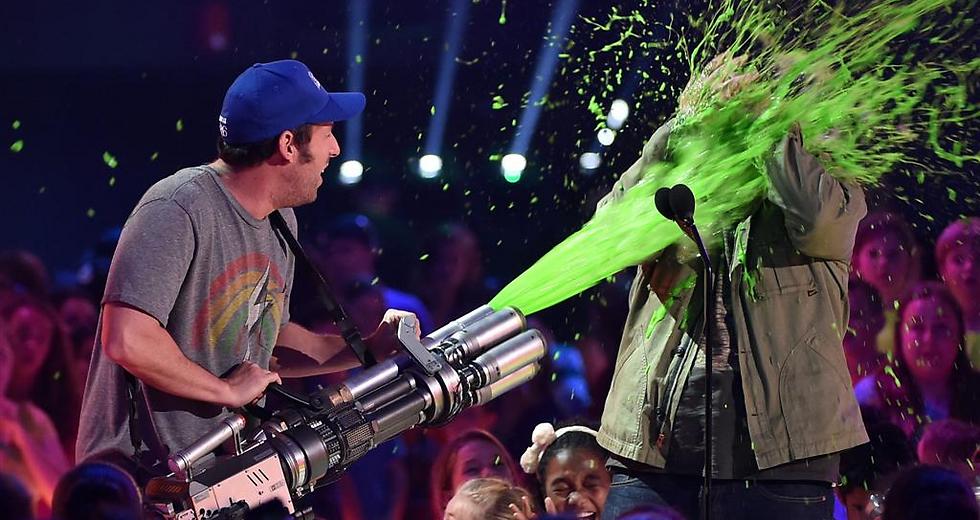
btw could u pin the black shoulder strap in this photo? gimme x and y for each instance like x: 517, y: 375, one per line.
x: 149, y: 453
x: 347, y: 329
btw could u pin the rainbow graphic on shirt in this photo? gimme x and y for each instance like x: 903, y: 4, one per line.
x: 244, y: 307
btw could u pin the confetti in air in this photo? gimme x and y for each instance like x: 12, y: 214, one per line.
x: 109, y: 160
x: 866, y: 87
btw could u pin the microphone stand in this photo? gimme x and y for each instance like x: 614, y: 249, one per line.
x: 677, y: 204
x: 690, y: 229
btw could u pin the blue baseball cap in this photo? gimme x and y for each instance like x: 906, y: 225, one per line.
x: 269, y: 98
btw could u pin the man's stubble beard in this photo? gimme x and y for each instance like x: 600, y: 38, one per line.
x: 297, y: 193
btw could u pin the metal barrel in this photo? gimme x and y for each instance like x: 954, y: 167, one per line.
x: 182, y: 460
x: 458, y: 324
x: 511, y: 355
x: 489, y: 393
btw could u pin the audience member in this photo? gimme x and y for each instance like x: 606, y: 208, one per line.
x: 958, y: 261
x: 364, y: 301
x: 80, y: 316
x: 97, y: 491
x: 29, y: 445
x: 868, y: 470
x: 42, y: 356
x: 929, y: 377
x: 24, y: 273
x: 886, y: 255
x: 450, y: 280
x: 15, y: 500
x: 570, y: 467
x: 569, y: 388
x: 489, y: 499
x: 930, y: 493
x: 953, y: 444
x: 474, y: 454
x: 347, y: 253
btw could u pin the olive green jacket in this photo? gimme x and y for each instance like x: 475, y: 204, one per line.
x: 789, y: 307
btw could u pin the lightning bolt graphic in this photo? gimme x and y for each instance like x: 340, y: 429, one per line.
x: 258, y: 303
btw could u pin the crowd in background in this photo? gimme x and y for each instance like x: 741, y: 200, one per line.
x: 912, y: 348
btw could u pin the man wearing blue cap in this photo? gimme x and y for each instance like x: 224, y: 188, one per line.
x: 198, y: 291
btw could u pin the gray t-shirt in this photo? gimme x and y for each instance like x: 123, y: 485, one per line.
x: 216, y: 278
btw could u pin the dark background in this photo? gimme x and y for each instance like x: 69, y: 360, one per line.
x: 85, y: 78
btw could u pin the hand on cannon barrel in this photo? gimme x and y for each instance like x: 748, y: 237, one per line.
x: 383, y: 342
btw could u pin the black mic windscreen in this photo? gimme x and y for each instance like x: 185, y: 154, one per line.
x: 662, y: 200
x: 682, y: 201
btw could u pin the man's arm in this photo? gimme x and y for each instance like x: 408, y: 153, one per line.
x: 140, y: 345
x: 315, y: 354
x: 312, y: 354
x: 821, y: 213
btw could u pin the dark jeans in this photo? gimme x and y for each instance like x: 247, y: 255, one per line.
x: 730, y: 499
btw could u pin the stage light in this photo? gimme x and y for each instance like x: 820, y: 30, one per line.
x: 589, y: 161
x: 351, y: 172
x: 456, y: 19
x: 606, y: 136
x: 618, y: 113
x: 429, y: 166
x: 562, y: 16
x: 357, y: 48
x: 512, y: 166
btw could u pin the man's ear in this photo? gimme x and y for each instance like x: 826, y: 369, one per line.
x: 287, y: 145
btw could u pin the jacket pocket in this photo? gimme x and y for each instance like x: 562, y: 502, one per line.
x: 774, y: 282
x: 813, y: 395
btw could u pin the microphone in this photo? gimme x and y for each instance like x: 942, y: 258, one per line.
x: 677, y: 204
x: 662, y: 200
x: 682, y: 203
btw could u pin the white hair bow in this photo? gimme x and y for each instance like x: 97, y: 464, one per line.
x: 543, y: 435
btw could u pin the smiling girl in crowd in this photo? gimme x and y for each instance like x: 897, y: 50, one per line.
x: 571, y: 470
x: 929, y: 378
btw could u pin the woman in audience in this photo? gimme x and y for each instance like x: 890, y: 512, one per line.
x: 571, y: 469
x: 29, y: 446
x: 958, y: 260
x: 474, y: 454
x: 42, y: 357
x: 886, y: 256
x: 489, y: 499
x: 929, y: 378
